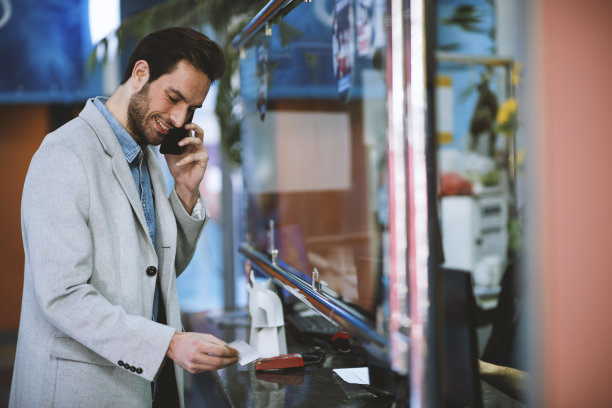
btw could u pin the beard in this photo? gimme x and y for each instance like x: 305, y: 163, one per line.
x: 137, y: 113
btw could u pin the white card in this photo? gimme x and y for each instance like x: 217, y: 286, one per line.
x: 358, y: 375
x: 246, y: 353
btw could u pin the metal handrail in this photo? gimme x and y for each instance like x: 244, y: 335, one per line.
x: 339, y: 312
x: 270, y: 11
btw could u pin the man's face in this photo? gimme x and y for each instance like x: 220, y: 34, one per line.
x: 166, y: 103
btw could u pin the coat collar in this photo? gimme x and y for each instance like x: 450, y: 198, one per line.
x: 92, y: 115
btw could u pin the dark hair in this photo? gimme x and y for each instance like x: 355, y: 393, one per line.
x: 164, y: 48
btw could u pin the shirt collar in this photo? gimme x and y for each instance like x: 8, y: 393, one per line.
x: 131, y: 149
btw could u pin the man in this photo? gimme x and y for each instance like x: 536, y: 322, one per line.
x: 100, y: 324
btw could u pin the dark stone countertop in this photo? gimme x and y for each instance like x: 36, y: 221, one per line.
x: 312, y: 386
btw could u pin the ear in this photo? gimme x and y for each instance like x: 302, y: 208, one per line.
x: 140, y: 74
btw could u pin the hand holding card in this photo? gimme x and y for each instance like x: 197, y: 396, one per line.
x: 246, y: 353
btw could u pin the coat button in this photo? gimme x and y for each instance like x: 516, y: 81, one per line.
x: 121, y: 363
x: 151, y: 271
x: 133, y: 369
x: 139, y: 370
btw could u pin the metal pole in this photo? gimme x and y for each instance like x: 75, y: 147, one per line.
x: 229, y: 284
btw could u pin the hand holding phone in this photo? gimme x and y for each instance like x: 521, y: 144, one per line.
x: 170, y: 142
x: 187, y: 168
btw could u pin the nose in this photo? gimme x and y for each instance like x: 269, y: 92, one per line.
x: 178, y: 116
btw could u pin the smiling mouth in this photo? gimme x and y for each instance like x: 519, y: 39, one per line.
x: 162, y: 125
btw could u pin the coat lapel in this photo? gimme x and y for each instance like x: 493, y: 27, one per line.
x: 166, y: 224
x: 124, y: 177
x: 121, y: 169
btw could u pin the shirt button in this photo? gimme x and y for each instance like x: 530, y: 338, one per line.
x: 151, y: 271
x: 121, y: 363
x: 139, y: 370
x: 144, y: 205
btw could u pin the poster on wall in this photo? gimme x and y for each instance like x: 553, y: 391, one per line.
x: 343, y: 46
x: 364, y: 16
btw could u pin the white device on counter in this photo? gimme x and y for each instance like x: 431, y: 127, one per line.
x: 267, y: 320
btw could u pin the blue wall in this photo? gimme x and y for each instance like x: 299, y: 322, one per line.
x: 43, y: 49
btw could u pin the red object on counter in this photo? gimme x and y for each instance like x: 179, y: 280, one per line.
x: 341, y: 335
x: 341, y: 341
x: 280, y: 362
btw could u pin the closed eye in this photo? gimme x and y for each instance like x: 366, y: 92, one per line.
x: 170, y: 98
x: 178, y: 98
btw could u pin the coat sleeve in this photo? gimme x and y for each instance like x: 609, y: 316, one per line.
x: 59, y: 256
x: 189, y: 230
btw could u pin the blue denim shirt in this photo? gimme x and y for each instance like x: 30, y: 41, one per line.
x: 140, y: 171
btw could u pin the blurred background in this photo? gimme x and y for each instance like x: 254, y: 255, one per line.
x: 58, y: 53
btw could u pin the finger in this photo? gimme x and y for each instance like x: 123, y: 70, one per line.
x: 227, y: 361
x: 194, y: 141
x: 206, y: 361
x: 201, y: 367
x: 211, y: 367
x: 196, y: 158
x: 214, y: 340
x: 198, y: 132
x: 217, y: 361
x: 218, y: 350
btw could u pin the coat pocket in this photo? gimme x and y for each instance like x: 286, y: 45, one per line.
x: 70, y: 349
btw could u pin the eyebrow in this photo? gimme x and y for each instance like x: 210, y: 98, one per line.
x: 180, y: 95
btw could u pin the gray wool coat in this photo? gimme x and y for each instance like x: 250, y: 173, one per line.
x: 86, y: 338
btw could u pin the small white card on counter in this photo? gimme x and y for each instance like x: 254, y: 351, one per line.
x: 359, y: 375
x: 246, y: 353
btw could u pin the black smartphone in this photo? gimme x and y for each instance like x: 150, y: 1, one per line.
x: 170, y: 143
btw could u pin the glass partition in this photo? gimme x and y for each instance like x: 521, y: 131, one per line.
x: 314, y: 136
